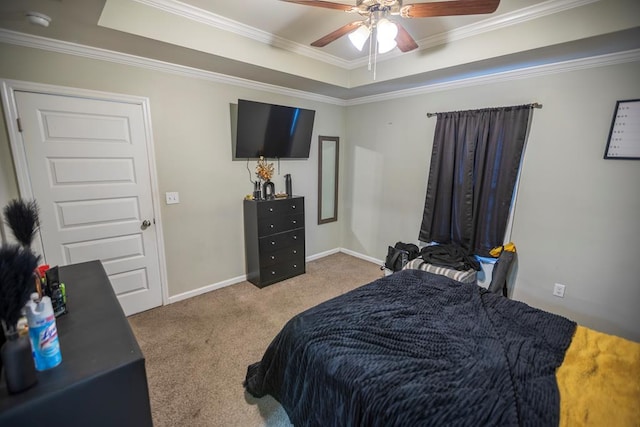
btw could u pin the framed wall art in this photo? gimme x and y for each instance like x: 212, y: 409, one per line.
x: 624, y: 135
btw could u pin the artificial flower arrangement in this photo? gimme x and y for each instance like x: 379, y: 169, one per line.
x: 264, y: 170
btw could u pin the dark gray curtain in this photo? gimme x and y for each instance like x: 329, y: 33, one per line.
x: 474, y: 166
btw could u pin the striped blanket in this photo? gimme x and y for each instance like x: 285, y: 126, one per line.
x: 468, y: 276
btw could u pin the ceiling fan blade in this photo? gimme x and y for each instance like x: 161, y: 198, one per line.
x: 325, y: 4
x: 447, y: 8
x: 346, y: 29
x: 405, y: 42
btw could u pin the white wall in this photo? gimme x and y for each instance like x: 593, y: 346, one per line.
x: 577, y: 215
x: 577, y: 219
x: 192, y: 135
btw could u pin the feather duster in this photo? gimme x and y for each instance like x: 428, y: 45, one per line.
x: 17, y: 266
x: 22, y: 218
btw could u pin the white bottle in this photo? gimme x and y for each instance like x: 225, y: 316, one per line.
x: 43, y: 333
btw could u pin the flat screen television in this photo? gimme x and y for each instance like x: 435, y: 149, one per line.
x: 273, y: 131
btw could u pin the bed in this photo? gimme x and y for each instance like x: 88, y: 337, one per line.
x: 416, y: 348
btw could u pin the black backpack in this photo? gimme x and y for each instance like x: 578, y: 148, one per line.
x: 399, y: 255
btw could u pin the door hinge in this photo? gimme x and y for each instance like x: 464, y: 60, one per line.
x: 19, y: 124
x: 154, y: 220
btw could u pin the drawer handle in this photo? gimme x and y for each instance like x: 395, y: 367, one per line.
x: 273, y: 272
x: 295, y: 265
x: 271, y: 225
x: 272, y: 257
x: 295, y: 252
x: 295, y: 237
x: 270, y: 209
x: 293, y: 206
x: 273, y: 243
x: 294, y: 221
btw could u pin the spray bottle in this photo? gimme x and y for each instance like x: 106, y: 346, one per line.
x: 43, y: 333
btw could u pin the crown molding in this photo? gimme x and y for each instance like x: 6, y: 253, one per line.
x: 530, y: 13
x: 522, y: 73
x: 37, y: 42
x: 222, y: 23
x: 490, y: 24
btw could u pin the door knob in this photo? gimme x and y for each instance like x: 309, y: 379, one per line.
x: 146, y: 223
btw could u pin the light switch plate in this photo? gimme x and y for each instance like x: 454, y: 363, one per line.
x: 558, y: 290
x: 172, y: 197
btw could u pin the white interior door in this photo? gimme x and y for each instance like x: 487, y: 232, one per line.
x: 89, y: 173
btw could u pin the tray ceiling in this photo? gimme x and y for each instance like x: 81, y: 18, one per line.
x: 267, y: 41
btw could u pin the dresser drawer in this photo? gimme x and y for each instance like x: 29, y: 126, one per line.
x: 279, y: 207
x: 275, y: 257
x: 278, y: 224
x: 279, y: 241
x: 284, y: 270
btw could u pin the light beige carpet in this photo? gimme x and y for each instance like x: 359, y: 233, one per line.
x: 197, y: 351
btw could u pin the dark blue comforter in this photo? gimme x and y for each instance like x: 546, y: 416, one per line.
x: 416, y: 349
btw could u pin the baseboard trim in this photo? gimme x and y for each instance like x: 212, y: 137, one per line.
x: 362, y: 256
x: 322, y: 254
x: 238, y: 279
x: 205, y: 289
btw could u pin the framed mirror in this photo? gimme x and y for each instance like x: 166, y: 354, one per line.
x: 328, y: 156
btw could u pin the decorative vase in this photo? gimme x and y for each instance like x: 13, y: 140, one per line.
x: 287, y: 185
x: 268, y: 190
x: 19, y: 368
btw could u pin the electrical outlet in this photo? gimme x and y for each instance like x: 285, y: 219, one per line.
x: 172, y: 197
x: 558, y: 290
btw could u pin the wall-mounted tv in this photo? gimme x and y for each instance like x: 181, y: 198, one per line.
x: 273, y: 131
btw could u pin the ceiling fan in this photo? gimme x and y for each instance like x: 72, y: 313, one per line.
x: 390, y: 34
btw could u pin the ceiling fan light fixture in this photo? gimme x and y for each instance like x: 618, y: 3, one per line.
x: 360, y: 36
x: 386, y: 46
x: 386, y: 35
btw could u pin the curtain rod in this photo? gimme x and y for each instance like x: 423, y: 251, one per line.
x: 532, y: 105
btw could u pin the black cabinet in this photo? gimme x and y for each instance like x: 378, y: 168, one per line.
x: 274, y: 239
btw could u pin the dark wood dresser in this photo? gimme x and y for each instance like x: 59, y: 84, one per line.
x: 102, y: 380
x: 274, y: 239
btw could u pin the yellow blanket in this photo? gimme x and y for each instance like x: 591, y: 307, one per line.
x: 599, y: 381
